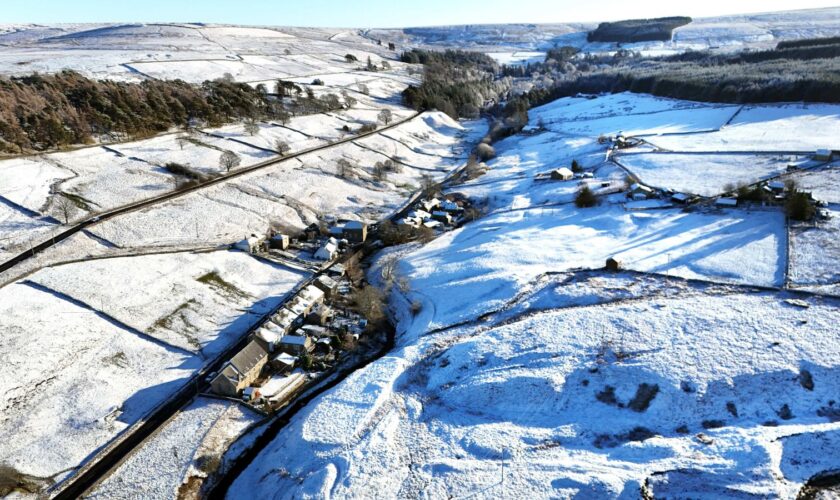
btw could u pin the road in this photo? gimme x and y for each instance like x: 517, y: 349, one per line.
x: 71, y: 230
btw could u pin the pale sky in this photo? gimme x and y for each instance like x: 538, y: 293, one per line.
x: 377, y: 13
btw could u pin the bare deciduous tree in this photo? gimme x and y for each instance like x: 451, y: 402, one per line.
x: 252, y: 128
x: 66, y: 208
x: 385, y: 116
x: 282, y: 147
x: 343, y: 168
x: 229, y: 160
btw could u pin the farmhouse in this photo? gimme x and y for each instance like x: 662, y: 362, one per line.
x: 240, y: 371
x: 562, y: 174
x: 296, y: 344
x: 328, y: 251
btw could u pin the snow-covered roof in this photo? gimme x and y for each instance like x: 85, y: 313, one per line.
x: 727, y: 202
x: 295, y: 340
x: 640, y: 187
x: 267, y: 335
x: 285, y: 358
x: 776, y: 185
x: 246, y: 359
x: 564, y: 171
x: 680, y: 196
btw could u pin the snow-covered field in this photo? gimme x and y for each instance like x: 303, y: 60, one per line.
x: 198, y: 302
x: 705, y: 175
x: 73, y: 379
x: 814, y: 251
x: 523, y: 371
x: 187, y: 446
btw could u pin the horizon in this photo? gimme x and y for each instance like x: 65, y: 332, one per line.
x: 326, y: 13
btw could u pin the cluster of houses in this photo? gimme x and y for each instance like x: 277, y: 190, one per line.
x: 305, y: 326
x: 433, y: 213
x: 325, y: 249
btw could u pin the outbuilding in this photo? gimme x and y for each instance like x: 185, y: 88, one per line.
x: 727, y: 202
x: 296, y: 345
x: 283, y: 362
x: 279, y: 241
x: 251, y: 244
x: 613, y: 264
x: 637, y: 190
x: 442, y: 217
x: 562, y: 174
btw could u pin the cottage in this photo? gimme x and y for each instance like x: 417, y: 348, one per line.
x: 328, y: 251
x: 319, y: 315
x: 285, y: 320
x: 355, y: 231
x: 267, y: 339
x: 279, y: 241
x: 283, y: 362
x: 822, y: 155
x: 240, y: 371
x: 562, y: 174
x: 442, y: 217
x: 326, y: 285
x: 727, y: 202
x: 296, y: 345
x: 251, y: 244
x: 613, y: 264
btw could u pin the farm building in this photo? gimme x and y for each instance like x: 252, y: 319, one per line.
x: 562, y: 174
x: 726, y: 202
x: 640, y: 191
x: 613, y: 264
x: 822, y: 155
x: 450, y: 206
x: 296, y: 344
x: 681, y: 198
x: 279, y: 241
x: 251, y: 244
x: 240, y: 371
x: 328, y: 251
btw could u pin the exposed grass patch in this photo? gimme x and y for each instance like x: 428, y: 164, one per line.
x: 219, y: 285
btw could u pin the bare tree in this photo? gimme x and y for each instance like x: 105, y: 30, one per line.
x: 282, y: 147
x: 66, y: 208
x: 343, y: 168
x: 252, y: 128
x: 229, y: 160
x: 385, y: 116
x: 349, y: 101
x: 380, y: 172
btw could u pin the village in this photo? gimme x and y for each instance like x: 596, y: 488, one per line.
x: 320, y: 325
